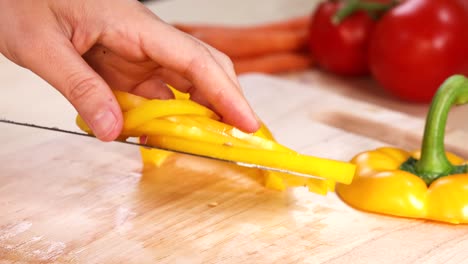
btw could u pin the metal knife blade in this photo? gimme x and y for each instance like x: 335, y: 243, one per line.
x: 243, y: 164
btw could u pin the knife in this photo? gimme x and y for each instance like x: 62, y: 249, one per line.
x: 243, y: 164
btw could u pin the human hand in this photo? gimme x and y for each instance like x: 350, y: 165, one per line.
x: 84, y: 48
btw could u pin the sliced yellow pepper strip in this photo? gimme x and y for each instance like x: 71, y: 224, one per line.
x: 155, y: 108
x: 128, y: 101
x: 154, y: 157
x: 161, y: 127
x: 281, y: 181
x: 325, y: 168
x: 229, y: 132
x: 82, y: 124
x: 184, y: 125
x: 178, y: 94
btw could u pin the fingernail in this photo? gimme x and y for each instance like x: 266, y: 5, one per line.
x: 103, y: 123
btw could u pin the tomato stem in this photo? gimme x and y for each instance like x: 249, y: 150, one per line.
x: 352, y: 6
x: 433, y: 162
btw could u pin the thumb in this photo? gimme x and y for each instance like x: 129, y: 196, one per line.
x: 59, y: 64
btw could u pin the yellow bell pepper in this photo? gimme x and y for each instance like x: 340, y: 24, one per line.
x: 427, y: 184
x: 181, y: 124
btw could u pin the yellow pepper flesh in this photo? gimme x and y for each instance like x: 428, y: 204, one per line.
x: 428, y: 184
x: 184, y: 125
x: 380, y: 186
x: 329, y: 169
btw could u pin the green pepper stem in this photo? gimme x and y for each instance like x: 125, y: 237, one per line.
x: 433, y: 162
x: 352, y: 6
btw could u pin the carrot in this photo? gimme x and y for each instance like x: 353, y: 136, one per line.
x: 285, y: 36
x: 273, y: 63
x: 301, y: 23
x: 254, y: 43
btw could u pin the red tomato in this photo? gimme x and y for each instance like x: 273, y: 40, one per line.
x: 417, y: 45
x: 340, y: 48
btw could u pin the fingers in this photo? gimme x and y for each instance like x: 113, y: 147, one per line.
x: 212, y: 76
x: 139, y: 34
x: 56, y: 61
x: 153, y: 88
x: 180, y: 83
x: 174, y: 79
x: 225, y: 62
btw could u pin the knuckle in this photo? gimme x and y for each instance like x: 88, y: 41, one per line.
x: 222, y: 58
x: 226, y: 61
x: 219, y: 95
x: 199, y: 62
x: 81, y: 87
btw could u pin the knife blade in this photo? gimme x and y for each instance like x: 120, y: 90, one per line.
x: 239, y: 163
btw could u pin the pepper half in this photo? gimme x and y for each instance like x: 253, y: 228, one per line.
x: 184, y: 125
x: 427, y: 184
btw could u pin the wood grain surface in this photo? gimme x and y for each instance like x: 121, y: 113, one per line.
x: 68, y: 199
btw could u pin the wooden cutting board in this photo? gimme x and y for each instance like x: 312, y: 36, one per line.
x: 68, y: 199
